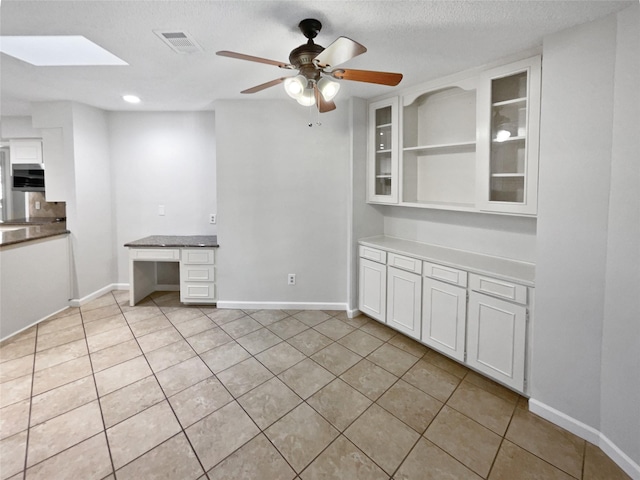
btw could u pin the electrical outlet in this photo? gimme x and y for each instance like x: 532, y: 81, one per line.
x: 161, y: 210
x: 291, y: 279
x: 37, y: 205
x: 212, y: 218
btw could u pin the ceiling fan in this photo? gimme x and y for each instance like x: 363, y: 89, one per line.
x: 316, y: 67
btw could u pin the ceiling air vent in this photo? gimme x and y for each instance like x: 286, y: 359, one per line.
x: 180, y: 42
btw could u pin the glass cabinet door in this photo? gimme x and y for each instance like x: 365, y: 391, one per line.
x: 508, y: 155
x: 383, y: 154
x: 508, y: 138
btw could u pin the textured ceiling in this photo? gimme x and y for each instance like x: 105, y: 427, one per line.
x: 421, y: 39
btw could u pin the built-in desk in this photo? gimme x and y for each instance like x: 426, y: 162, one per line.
x: 194, y: 253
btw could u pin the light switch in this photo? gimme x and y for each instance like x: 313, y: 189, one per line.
x: 161, y: 210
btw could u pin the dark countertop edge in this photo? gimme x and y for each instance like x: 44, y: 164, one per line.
x: 175, y: 241
x: 8, y: 243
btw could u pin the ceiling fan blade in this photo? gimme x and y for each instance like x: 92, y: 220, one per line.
x: 263, y: 86
x: 323, y: 105
x: 251, y: 58
x: 338, y: 52
x: 382, y: 78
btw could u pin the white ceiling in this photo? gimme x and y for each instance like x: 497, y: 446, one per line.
x: 421, y: 39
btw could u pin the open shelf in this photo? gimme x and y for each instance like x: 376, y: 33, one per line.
x: 513, y: 101
x: 457, y: 146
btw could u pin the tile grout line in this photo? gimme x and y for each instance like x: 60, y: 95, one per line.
x: 262, y: 431
x: 95, y: 386
x: 166, y: 398
x: 33, y: 379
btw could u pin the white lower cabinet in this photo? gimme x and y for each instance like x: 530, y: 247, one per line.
x: 403, y: 303
x: 197, y: 276
x: 372, y: 289
x: 479, y: 320
x: 444, y: 316
x: 496, y: 336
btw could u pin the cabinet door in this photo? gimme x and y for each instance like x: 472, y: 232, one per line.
x: 372, y: 289
x: 508, y: 123
x: 496, y: 339
x: 404, y: 298
x: 25, y: 150
x: 444, y: 317
x: 382, y: 165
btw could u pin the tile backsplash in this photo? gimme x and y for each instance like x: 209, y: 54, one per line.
x: 47, y: 209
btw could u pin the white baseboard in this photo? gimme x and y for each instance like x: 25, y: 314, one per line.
x: 281, y: 305
x: 77, y: 302
x: 589, y: 434
x: 354, y: 312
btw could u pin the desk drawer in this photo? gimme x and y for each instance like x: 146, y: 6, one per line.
x: 155, y: 254
x: 405, y: 263
x: 197, y: 292
x: 373, y: 254
x: 498, y: 288
x: 198, y: 256
x: 446, y: 274
x: 198, y: 273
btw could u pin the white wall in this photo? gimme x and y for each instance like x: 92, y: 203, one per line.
x: 17, y: 127
x: 499, y: 235
x: 620, y: 376
x: 161, y: 158
x: 283, y: 200
x: 365, y: 220
x: 77, y: 163
x: 575, y: 163
x: 34, y: 270
x: 90, y: 217
x: 585, y: 334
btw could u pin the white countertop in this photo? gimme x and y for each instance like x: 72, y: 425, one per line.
x: 496, y: 267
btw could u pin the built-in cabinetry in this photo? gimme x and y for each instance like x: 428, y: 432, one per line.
x: 372, y: 285
x: 444, y: 309
x: 25, y: 150
x: 196, y: 256
x: 470, y: 307
x: 467, y: 142
x: 404, y: 293
x: 383, y: 145
x: 197, y: 275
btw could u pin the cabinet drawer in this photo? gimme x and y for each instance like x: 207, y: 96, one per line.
x: 499, y: 288
x: 373, y: 254
x: 198, y: 256
x: 195, y: 273
x: 446, y: 274
x: 155, y: 254
x: 204, y: 291
x: 405, y: 263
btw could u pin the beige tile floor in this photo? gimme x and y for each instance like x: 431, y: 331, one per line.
x: 160, y: 391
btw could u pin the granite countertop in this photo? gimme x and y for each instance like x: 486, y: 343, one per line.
x: 21, y: 233
x: 158, y: 241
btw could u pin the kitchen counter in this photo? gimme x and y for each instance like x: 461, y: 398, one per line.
x: 498, y: 267
x: 12, y: 234
x: 177, y: 241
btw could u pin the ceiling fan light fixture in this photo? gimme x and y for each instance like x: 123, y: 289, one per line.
x: 294, y: 86
x: 307, y: 98
x: 328, y: 88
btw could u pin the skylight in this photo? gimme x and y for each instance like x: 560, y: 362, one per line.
x: 57, y: 50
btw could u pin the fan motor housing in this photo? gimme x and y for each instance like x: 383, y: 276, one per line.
x: 304, y: 54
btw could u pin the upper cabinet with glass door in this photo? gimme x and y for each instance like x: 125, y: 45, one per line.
x: 383, y: 152
x: 508, y: 125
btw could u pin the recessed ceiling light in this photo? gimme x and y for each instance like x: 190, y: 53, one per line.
x: 131, y: 98
x: 57, y: 50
